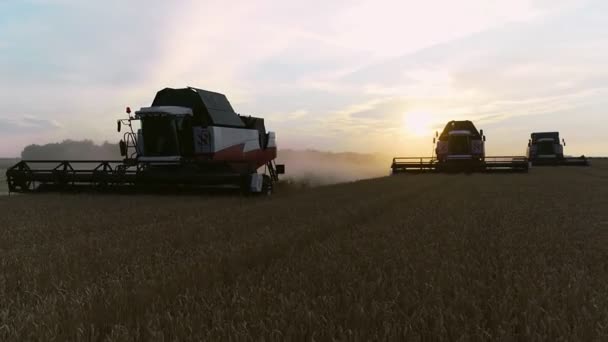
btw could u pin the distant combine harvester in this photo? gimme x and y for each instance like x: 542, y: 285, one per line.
x: 545, y: 149
x: 459, y: 148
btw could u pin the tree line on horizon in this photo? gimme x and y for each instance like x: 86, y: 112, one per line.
x: 71, y: 149
x: 88, y: 149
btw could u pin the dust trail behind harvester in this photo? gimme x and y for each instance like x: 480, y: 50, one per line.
x: 315, y: 168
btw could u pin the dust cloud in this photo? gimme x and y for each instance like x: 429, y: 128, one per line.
x: 315, y: 168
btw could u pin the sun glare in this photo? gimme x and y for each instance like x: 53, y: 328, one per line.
x: 418, y: 124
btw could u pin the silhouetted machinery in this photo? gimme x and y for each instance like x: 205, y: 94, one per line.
x: 188, y: 138
x: 459, y: 148
x: 545, y: 148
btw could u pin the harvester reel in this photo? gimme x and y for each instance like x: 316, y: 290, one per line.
x: 22, y: 181
x: 61, y: 177
x: 100, y: 179
x: 101, y: 174
x: 119, y: 174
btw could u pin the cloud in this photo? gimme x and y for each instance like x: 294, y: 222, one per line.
x: 399, y: 27
x: 31, y: 121
x: 27, y: 123
x: 75, y: 42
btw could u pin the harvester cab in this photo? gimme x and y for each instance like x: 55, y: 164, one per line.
x: 166, y: 134
x: 187, y: 138
x: 459, y: 148
x: 546, y: 149
x: 460, y: 141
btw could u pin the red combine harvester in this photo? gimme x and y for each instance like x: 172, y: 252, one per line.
x: 189, y: 138
x: 459, y: 148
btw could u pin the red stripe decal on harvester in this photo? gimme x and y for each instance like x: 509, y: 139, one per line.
x: 235, y: 153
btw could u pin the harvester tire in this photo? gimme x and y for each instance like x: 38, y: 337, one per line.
x: 266, y: 190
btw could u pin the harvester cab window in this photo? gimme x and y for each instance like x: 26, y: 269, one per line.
x: 545, y: 147
x: 160, y: 136
x: 459, y: 144
x: 186, y: 138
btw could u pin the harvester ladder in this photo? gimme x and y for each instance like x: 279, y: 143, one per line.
x: 272, y: 171
x: 130, y: 139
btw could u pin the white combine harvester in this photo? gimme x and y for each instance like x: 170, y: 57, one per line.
x: 189, y: 138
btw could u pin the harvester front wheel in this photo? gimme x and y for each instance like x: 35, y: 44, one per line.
x: 266, y: 189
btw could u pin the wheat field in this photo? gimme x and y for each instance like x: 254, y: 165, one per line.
x: 426, y: 257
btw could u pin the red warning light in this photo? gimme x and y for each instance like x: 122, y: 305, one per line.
x: 128, y: 110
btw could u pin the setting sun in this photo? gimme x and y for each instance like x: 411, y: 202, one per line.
x: 418, y: 123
